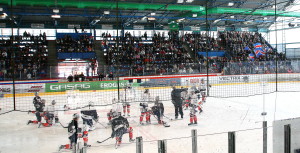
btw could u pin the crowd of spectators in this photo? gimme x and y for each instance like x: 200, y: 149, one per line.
x: 201, y: 42
x: 161, y: 54
x: 83, y: 43
x: 27, y: 53
x: 167, y: 55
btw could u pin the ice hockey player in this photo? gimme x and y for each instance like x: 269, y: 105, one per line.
x: 36, y: 99
x: 116, y: 107
x: 203, y: 89
x: 89, y: 116
x: 185, y: 99
x: 119, y: 127
x: 50, y: 115
x: 158, y: 110
x: 193, y: 107
x: 39, y: 107
x: 74, y: 132
x: 144, y: 107
x: 177, y: 101
x: 127, y: 98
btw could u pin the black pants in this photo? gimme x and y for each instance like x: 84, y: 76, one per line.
x: 178, y: 108
x: 158, y: 115
x: 88, y: 121
x: 38, y: 116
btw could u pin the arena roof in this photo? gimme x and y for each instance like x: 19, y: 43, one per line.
x: 90, y: 13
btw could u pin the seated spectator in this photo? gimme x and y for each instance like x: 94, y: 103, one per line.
x: 70, y: 78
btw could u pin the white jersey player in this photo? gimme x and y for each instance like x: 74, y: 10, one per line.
x: 127, y: 97
x: 116, y: 108
x: 203, y: 89
x: 193, y: 106
x: 144, y: 106
x: 51, y: 113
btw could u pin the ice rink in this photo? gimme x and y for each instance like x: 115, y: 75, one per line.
x: 221, y: 115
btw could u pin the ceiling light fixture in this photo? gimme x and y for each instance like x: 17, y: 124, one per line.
x: 106, y: 12
x: 152, y: 14
x: 55, y: 10
x: 230, y: 4
x: 189, y: 1
x: 55, y: 16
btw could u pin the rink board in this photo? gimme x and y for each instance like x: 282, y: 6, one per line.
x: 278, y: 134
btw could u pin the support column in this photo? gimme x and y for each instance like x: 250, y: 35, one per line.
x: 265, y: 137
x: 139, y: 144
x: 287, y: 138
x: 231, y: 142
x: 162, y: 146
x: 194, y: 141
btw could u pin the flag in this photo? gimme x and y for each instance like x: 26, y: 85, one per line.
x: 251, y: 56
x: 246, y: 48
x: 257, y: 45
x: 258, y: 50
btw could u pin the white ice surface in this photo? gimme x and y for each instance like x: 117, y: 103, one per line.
x: 220, y: 116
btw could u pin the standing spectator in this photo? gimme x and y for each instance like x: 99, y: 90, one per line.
x: 93, y: 66
x: 82, y: 76
x: 87, y: 69
x: 76, y: 77
x: 101, y: 76
x: 111, y: 76
x: 176, y: 100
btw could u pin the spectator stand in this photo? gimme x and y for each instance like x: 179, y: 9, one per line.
x: 30, y: 56
x: 76, y: 55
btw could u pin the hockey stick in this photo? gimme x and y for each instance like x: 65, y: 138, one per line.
x: 164, y: 123
x: 104, y: 140
x: 99, y: 123
x: 168, y: 118
x: 62, y: 125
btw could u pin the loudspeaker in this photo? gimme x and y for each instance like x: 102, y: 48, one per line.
x: 139, y: 80
x: 130, y: 80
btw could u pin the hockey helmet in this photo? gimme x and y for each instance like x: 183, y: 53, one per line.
x: 114, y: 114
x: 53, y: 102
x: 146, y: 91
x: 157, y: 98
x: 75, y: 116
x: 43, y: 101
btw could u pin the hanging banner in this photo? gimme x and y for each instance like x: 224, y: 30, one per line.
x: 107, y: 26
x: 2, y: 25
x: 71, y: 26
x: 37, y: 25
x: 221, y: 28
x: 245, y: 29
x: 194, y: 28
x: 138, y: 27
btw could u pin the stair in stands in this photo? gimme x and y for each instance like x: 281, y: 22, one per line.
x: 100, y: 57
x: 52, y: 59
